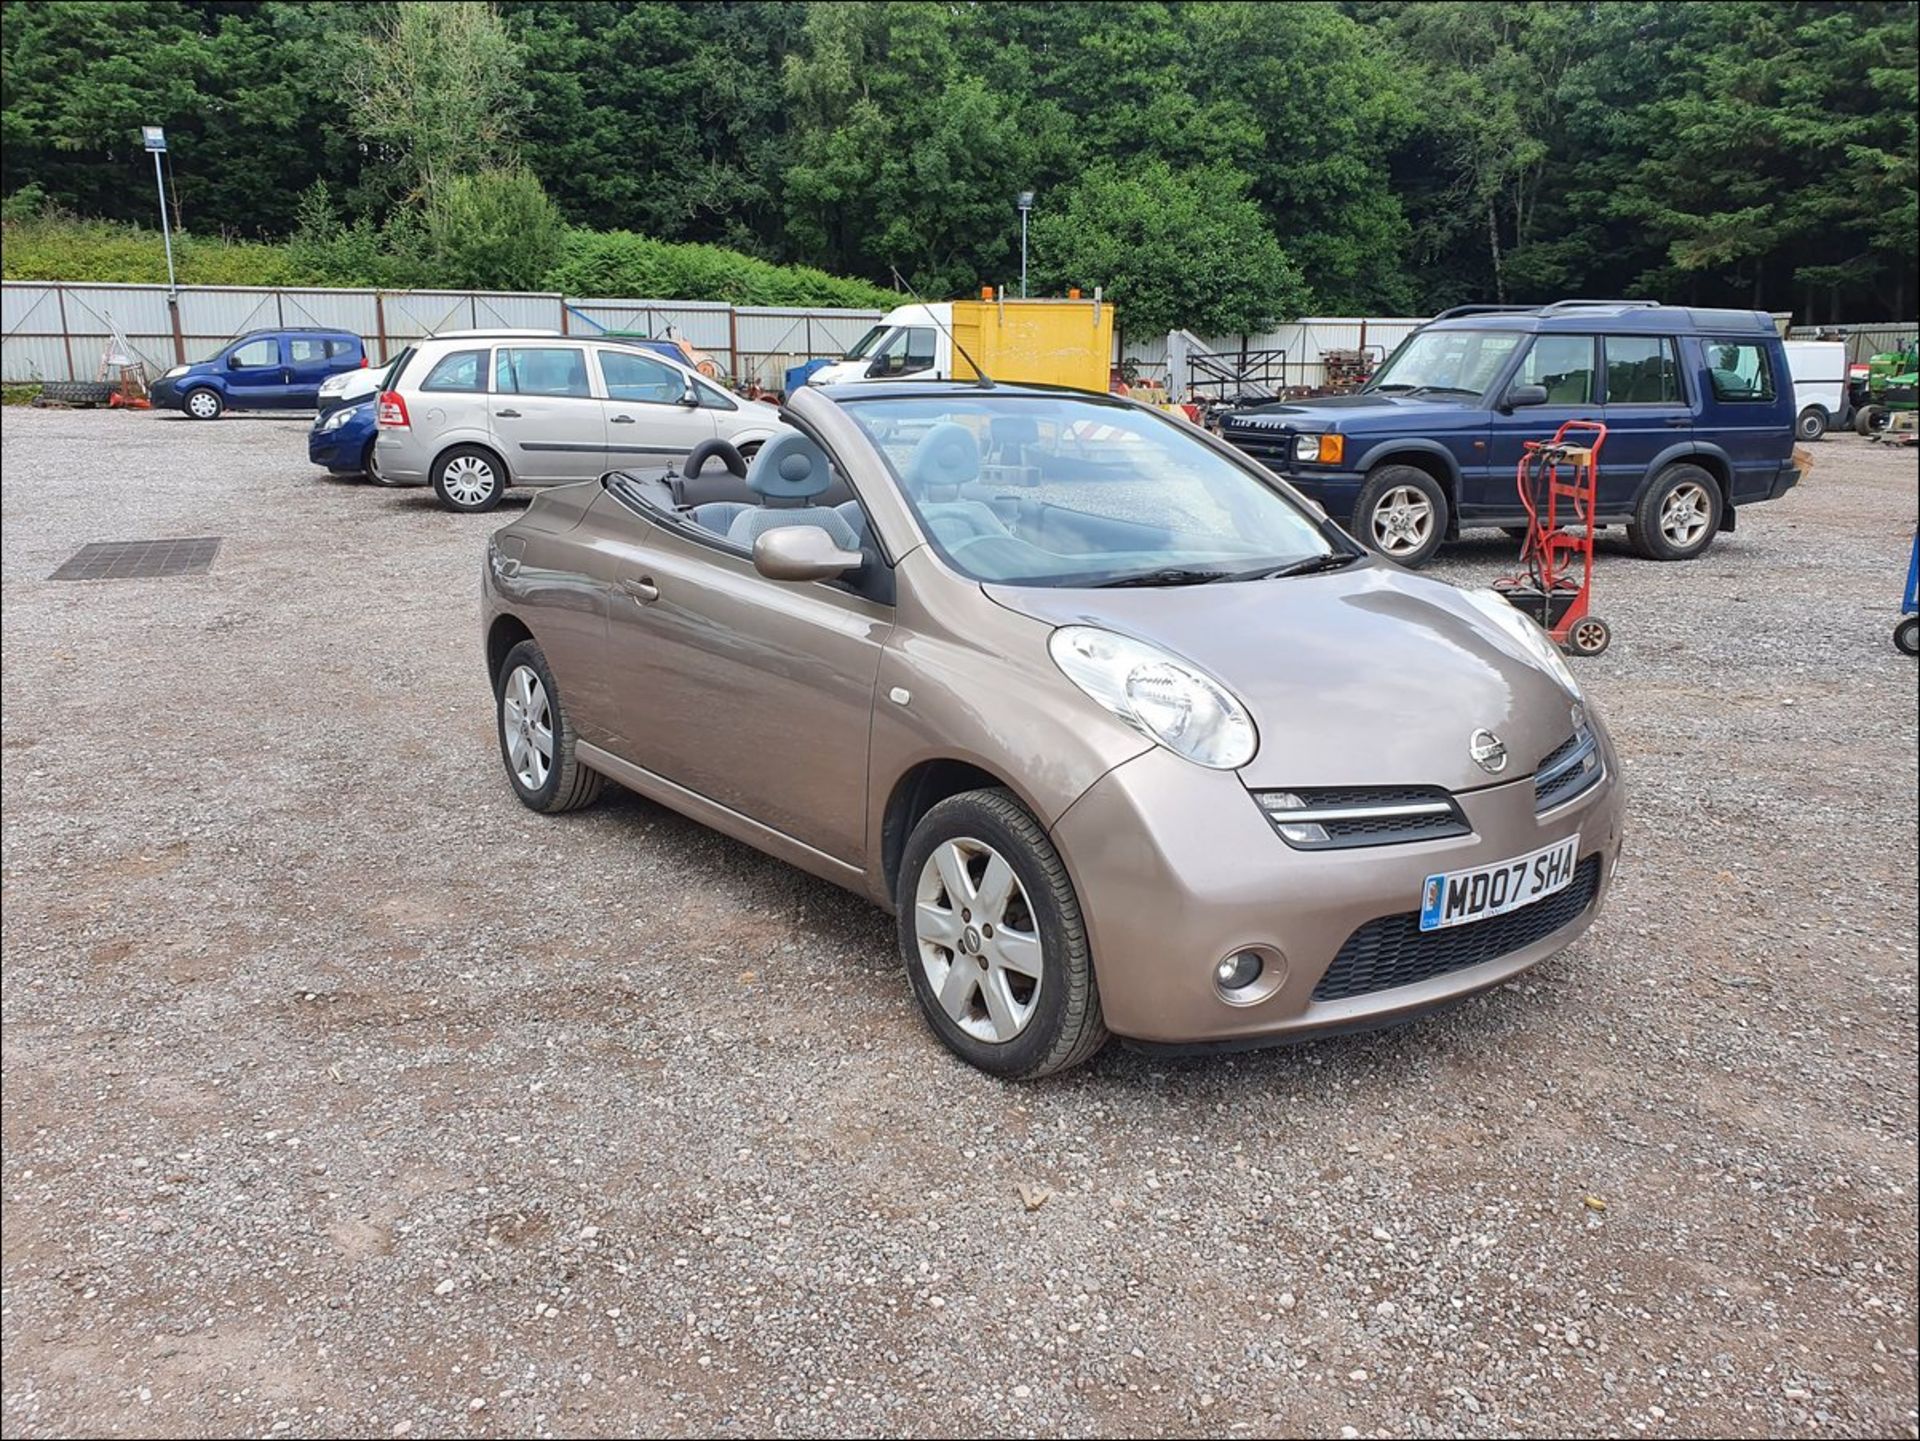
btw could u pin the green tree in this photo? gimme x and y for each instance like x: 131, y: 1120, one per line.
x: 1172, y: 249
x: 494, y: 229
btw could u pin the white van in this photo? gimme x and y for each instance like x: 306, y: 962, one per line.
x: 1819, y: 371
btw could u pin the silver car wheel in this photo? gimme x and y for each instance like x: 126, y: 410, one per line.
x: 1402, y: 521
x: 979, y: 940
x: 1684, y: 514
x: 203, y: 405
x: 468, y: 480
x: 526, y: 720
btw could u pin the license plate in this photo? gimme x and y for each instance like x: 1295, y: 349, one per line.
x: 1452, y: 898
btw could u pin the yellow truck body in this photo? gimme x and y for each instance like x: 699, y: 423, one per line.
x: 1035, y: 342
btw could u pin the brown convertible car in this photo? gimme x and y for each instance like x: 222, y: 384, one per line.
x: 1129, y: 735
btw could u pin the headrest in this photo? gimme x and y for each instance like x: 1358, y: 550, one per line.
x: 789, y: 467
x: 723, y: 451
x: 1014, y: 430
x: 948, y: 456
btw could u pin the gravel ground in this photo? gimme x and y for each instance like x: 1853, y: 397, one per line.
x: 342, y: 1094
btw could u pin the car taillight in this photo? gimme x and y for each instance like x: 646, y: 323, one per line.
x: 393, y: 411
x: 363, y: 360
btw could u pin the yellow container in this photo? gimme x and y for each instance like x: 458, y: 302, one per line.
x: 1035, y: 342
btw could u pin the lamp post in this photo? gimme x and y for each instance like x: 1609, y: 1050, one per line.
x: 155, y: 138
x: 1025, y: 202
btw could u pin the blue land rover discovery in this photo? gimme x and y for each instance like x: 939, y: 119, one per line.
x: 1698, y: 406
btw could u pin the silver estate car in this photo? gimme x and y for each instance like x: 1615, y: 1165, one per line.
x: 473, y: 414
x: 1129, y: 736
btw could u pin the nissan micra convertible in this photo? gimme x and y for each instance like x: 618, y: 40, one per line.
x: 1130, y: 736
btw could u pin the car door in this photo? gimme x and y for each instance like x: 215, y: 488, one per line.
x: 308, y: 363
x: 647, y: 415
x: 256, y: 374
x: 754, y: 693
x: 1565, y: 366
x: 546, y: 418
x: 1746, y: 409
x: 1646, y: 412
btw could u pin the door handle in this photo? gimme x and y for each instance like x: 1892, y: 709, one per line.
x: 1679, y: 422
x: 641, y: 588
x: 508, y: 414
x: 621, y: 420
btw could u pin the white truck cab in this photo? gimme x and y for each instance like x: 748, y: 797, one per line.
x: 910, y: 342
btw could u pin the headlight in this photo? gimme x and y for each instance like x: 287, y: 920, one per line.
x: 339, y: 418
x: 1526, y: 630
x: 1158, y: 695
x: 177, y: 370
x: 1322, y: 449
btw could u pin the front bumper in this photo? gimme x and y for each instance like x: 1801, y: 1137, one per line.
x: 1334, y: 490
x: 1176, y: 867
x: 165, y: 394
x: 340, y: 449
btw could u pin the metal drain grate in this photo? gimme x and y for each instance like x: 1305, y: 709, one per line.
x: 138, y: 559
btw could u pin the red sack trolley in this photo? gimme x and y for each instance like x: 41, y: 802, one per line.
x: 1558, y: 480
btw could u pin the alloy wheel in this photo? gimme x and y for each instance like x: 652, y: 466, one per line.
x: 526, y: 720
x: 979, y: 940
x: 468, y: 480
x: 1685, y: 513
x: 1402, y: 521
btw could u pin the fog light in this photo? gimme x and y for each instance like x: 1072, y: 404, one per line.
x: 1239, y: 970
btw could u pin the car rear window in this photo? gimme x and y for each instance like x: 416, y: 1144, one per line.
x: 342, y: 347
x: 1641, y: 370
x: 1739, y: 373
x: 552, y: 370
x: 462, y: 370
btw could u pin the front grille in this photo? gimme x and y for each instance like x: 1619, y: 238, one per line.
x: 1394, y: 951
x: 1569, y: 769
x: 1335, y: 817
x: 1271, y: 448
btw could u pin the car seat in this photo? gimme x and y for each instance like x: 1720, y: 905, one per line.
x: 788, y: 474
x: 942, y: 474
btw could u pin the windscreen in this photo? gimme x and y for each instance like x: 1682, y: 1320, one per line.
x: 1070, y: 491
x: 1446, y: 362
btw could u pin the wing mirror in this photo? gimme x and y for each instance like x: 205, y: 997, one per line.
x: 1526, y: 395
x: 690, y: 397
x: 801, y: 552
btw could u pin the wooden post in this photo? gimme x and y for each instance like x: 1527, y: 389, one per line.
x: 565, y: 329
x: 380, y: 320
x: 66, y: 339
x: 179, y: 340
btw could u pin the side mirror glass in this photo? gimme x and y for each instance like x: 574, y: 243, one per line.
x: 1521, y: 395
x: 690, y: 397
x: 801, y: 552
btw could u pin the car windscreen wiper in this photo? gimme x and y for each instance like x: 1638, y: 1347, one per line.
x: 1169, y: 575
x: 1442, y: 390
x: 1312, y: 565
x: 1390, y: 389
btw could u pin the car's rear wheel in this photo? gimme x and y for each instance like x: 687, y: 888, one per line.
x: 203, y: 404
x: 537, y: 737
x: 1812, y: 424
x: 1402, y: 513
x: 469, y: 479
x: 1678, y: 516
x: 993, y: 939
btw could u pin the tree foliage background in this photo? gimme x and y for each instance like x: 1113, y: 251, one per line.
x: 1220, y: 161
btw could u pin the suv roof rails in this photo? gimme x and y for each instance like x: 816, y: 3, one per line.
x: 1595, y: 304
x: 1485, y: 310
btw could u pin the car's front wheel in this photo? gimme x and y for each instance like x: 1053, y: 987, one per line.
x: 1678, y: 516
x: 469, y: 479
x: 1402, y: 513
x: 203, y: 404
x: 993, y: 939
x: 1812, y: 424
x: 537, y: 736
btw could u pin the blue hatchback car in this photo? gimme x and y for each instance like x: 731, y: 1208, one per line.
x: 263, y: 370
x: 1698, y: 406
x: 342, y: 438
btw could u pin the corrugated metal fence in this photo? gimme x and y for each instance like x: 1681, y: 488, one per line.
x: 1862, y: 340
x: 56, y: 331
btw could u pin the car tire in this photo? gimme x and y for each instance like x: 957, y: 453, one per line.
x: 75, y: 392
x: 1678, y: 515
x: 1402, y: 514
x: 203, y: 404
x: 369, y: 466
x: 548, y: 781
x: 469, y: 479
x: 1868, y: 419
x: 1022, y: 1008
x: 1812, y: 424
x: 1906, y: 636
